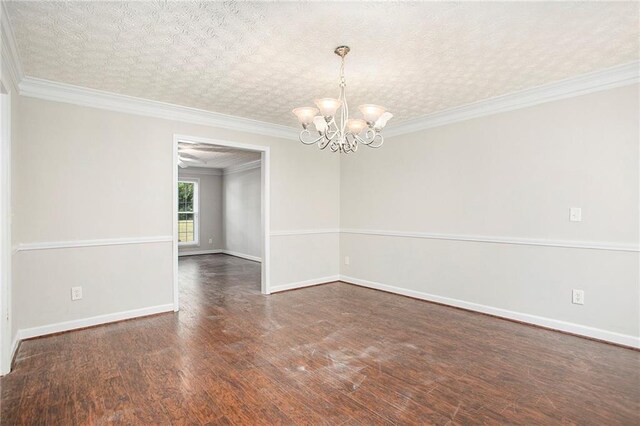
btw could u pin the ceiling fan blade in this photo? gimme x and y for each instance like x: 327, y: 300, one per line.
x: 191, y: 160
x: 188, y: 156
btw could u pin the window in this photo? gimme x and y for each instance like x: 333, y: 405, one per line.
x: 188, y: 212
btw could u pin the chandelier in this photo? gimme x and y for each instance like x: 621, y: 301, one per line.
x: 343, y: 136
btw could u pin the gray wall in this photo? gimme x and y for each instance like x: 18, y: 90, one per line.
x: 511, y: 176
x: 81, y: 173
x: 242, y: 214
x: 210, y: 211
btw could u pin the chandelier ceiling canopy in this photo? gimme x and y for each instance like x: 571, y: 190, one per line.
x: 331, y: 120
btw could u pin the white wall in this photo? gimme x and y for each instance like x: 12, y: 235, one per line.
x: 509, y: 176
x: 242, y: 215
x: 210, y: 211
x: 84, y: 174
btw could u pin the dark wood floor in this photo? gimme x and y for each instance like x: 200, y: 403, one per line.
x: 332, y: 354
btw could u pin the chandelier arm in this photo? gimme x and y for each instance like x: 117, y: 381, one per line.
x: 335, y: 133
x: 324, y: 143
x: 305, y: 133
x: 351, y: 143
x: 371, y: 136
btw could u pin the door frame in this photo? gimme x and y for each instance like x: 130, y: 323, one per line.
x: 7, y: 347
x: 264, y: 206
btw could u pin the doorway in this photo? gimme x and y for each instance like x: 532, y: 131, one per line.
x: 189, y: 235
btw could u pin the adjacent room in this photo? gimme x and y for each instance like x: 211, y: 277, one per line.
x: 332, y: 213
x: 220, y: 229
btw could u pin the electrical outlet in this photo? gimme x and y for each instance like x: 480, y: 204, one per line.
x: 575, y: 214
x: 210, y: 240
x: 76, y: 293
x: 578, y: 297
x: 346, y: 260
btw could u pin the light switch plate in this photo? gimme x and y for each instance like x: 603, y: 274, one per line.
x: 575, y: 214
x: 76, y: 293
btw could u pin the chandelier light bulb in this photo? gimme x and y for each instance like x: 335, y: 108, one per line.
x: 356, y: 125
x: 305, y: 114
x: 328, y: 106
x: 370, y: 112
x: 334, y: 128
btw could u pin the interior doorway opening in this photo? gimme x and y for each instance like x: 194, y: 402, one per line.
x: 220, y: 211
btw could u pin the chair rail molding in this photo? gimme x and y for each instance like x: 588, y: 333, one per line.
x: 609, y: 78
x: 92, y: 243
x: 589, y: 245
x: 305, y: 232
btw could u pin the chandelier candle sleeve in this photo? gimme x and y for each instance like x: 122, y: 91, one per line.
x: 335, y: 129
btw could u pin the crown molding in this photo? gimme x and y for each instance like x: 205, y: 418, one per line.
x: 210, y: 171
x: 62, y: 92
x: 242, y: 167
x: 609, y: 78
x: 10, y: 57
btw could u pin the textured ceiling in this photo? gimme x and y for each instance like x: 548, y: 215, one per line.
x: 259, y: 60
x: 214, y: 156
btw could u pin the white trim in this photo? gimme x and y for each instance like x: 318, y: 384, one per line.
x: 242, y: 255
x: 305, y: 232
x: 92, y: 243
x: 609, y: 78
x: 590, y: 245
x: 242, y: 167
x: 10, y: 54
x: 6, y: 312
x: 307, y: 283
x: 265, y: 207
x: 199, y: 171
x: 14, y: 348
x: 43, y: 330
x: 582, y: 330
x: 62, y: 92
x: 198, y: 252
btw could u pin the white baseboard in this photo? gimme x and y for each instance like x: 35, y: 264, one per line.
x: 91, y: 321
x: 6, y: 369
x: 198, y: 252
x: 242, y: 255
x: 307, y: 283
x: 582, y: 330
